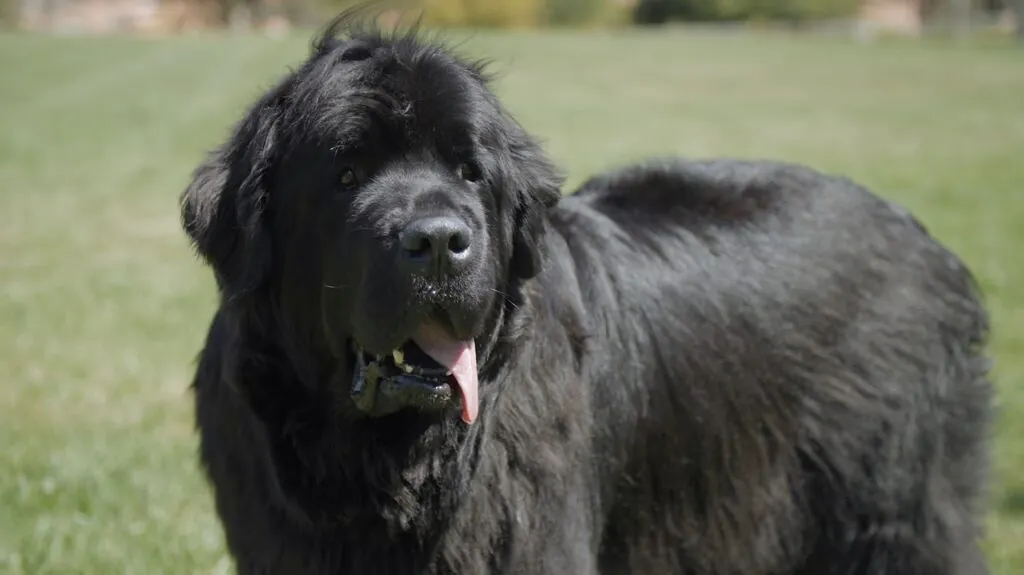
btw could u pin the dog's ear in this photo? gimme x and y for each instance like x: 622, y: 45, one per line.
x: 223, y: 206
x: 537, y: 187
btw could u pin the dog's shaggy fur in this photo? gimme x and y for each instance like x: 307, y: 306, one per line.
x: 700, y: 367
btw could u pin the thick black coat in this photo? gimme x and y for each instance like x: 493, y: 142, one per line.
x: 694, y: 367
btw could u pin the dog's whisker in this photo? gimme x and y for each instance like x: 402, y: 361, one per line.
x: 507, y: 298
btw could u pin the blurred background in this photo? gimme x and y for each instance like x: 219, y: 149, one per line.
x: 107, y: 105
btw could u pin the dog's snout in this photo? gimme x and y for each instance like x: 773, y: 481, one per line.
x: 435, y: 246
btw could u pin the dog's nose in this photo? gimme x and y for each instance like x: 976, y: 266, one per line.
x: 435, y: 246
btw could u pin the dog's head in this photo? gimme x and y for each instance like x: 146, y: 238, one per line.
x: 379, y: 206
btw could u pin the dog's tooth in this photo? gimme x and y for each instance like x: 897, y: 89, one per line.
x: 399, y: 357
x: 406, y: 367
x: 447, y: 372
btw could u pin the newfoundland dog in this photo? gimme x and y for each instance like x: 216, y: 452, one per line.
x: 426, y: 360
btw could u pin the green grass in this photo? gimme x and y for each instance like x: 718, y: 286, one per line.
x: 103, y: 305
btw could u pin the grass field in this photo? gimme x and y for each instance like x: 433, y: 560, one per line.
x: 103, y: 305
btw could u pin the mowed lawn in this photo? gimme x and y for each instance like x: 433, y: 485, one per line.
x: 103, y: 306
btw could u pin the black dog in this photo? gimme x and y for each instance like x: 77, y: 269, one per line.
x: 425, y: 361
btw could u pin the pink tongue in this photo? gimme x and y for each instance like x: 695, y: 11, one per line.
x: 459, y: 357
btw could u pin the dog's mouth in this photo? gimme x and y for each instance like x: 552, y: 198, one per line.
x: 423, y: 373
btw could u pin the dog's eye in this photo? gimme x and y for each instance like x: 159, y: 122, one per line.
x: 348, y: 179
x: 468, y: 171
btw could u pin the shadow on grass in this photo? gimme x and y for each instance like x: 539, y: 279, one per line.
x: 1013, y: 503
